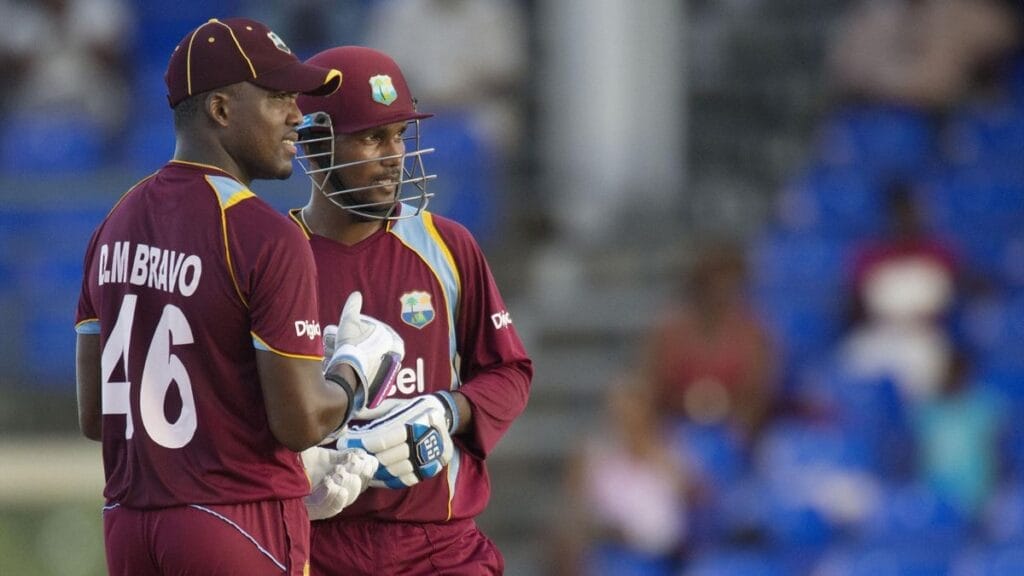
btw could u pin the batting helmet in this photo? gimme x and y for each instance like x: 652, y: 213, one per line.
x: 373, y: 93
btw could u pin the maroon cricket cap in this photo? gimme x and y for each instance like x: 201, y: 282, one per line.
x: 374, y: 94
x: 224, y: 52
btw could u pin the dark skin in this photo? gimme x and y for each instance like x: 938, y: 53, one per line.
x: 327, y: 219
x: 249, y: 133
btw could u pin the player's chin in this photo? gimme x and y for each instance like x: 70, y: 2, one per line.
x: 282, y: 170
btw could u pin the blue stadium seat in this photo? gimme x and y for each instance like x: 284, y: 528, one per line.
x: 994, y: 331
x: 467, y: 188
x: 805, y: 262
x: 609, y: 560
x: 833, y: 203
x: 163, y: 23
x: 48, y: 274
x: 972, y: 202
x: 51, y: 142
x: 714, y: 451
x: 740, y: 562
x: 885, y: 141
x: 150, y: 143
x: 889, y: 560
x: 990, y: 561
x: 869, y: 411
x: 790, y: 448
x: 805, y: 322
x: 49, y: 292
x: 1003, y: 518
x: 912, y: 515
x: 986, y: 135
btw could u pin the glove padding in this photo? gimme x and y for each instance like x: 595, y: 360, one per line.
x: 372, y: 348
x: 412, y: 441
x: 337, y: 478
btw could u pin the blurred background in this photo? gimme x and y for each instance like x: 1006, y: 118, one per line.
x: 767, y: 255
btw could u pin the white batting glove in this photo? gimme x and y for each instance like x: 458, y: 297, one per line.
x: 412, y: 441
x: 372, y: 348
x: 337, y: 478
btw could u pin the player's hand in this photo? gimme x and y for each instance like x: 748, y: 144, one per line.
x: 412, y: 441
x: 337, y: 478
x: 372, y: 348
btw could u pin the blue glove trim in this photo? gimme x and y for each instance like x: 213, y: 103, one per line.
x: 453, y: 409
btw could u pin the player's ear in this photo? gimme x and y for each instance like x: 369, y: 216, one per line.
x: 216, y: 106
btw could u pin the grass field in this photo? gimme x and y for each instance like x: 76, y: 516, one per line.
x: 50, y: 499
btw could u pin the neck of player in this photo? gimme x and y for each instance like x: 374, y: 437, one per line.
x: 325, y: 218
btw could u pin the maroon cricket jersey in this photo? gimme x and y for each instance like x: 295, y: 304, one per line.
x: 427, y: 277
x: 188, y: 276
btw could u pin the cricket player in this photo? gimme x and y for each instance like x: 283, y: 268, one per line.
x: 199, y: 354
x: 466, y: 375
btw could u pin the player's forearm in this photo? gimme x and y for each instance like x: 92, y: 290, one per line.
x: 309, y: 419
x: 88, y: 386
x: 302, y: 407
x: 497, y: 397
x: 465, y: 416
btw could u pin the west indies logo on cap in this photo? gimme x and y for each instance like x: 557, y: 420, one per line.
x: 383, y: 90
x: 278, y: 42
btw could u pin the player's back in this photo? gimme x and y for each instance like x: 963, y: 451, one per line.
x: 173, y: 277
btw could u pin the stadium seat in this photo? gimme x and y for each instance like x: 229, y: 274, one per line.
x: 873, y: 412
x: 804, y: 321
x: 888, y: 560
x: 1003, y: 518
x: 970, y: 202
x: 994, y: 331
x: 798, y: 261
x: 48, y: 275
x: 990, y: 561
x: 741, y: 562
x: 833, y: 203
x: 467, y: 188
x: 913, y: 515
x: 884, y: 141
x: 986, y: 135
x: 714, y: 451
x: 791, y: 448
x: 609, y: 560
x: 51, y: 142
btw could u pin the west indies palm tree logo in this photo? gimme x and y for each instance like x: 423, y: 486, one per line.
x: 417, y: 311
x: 383, y: 90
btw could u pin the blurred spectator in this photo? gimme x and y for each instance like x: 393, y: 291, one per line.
x: 627, y: 513
x: 464, y: 56
x: 958, y: 435
x: 711, y: 357
x: 924, y: 53
x: 67, y: 57
x: 904, y: 289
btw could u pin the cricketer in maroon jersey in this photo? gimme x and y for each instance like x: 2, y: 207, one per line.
x: 188, y: 276
x: 199, y: 349
x: 487, y: 363
x: 426, y: 276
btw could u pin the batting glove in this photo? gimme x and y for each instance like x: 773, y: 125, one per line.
x: 337, y: 478
x: 372, y: 348
x: 412, y: 441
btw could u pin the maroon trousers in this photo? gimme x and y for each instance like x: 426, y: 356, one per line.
x: 256, y: 539
x: 370, y: 548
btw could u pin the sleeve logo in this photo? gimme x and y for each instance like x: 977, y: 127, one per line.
x: 501, y: 319
x: 307, y: 328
